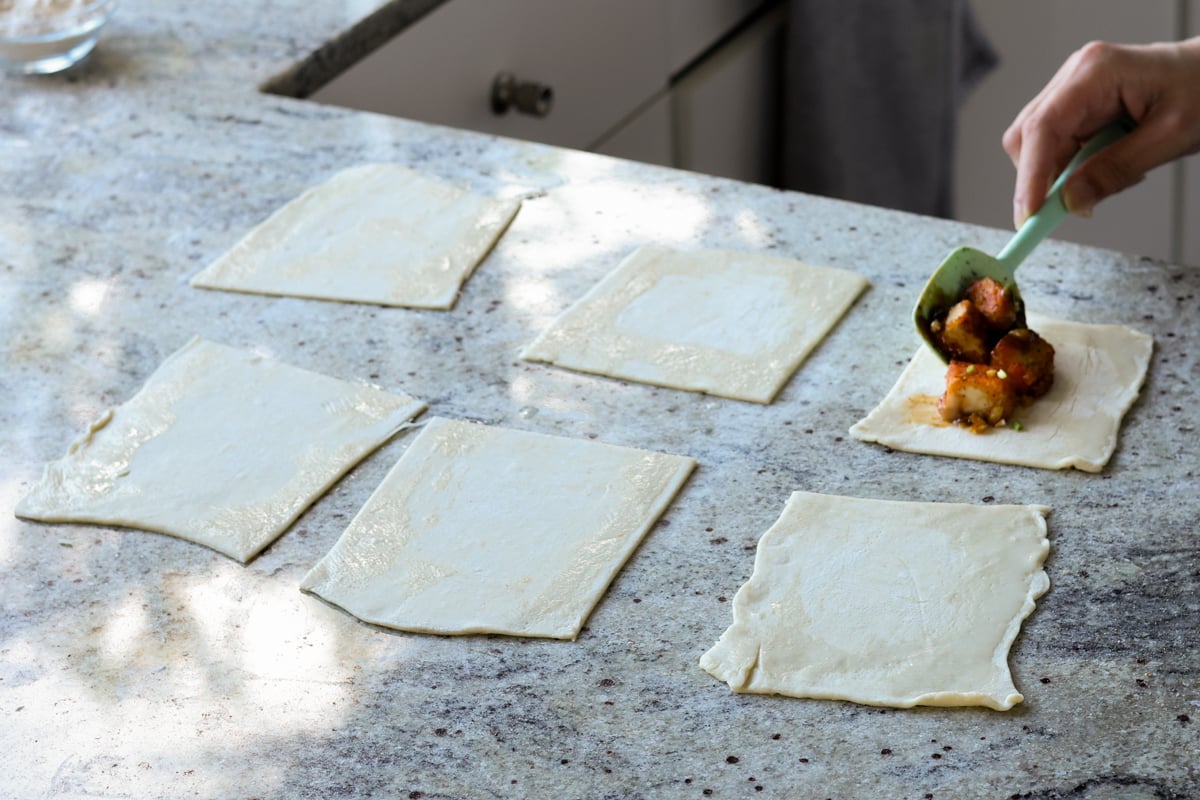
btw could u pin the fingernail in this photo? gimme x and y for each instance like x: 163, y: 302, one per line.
x: 1020, y: 214
x: 1079, y: 198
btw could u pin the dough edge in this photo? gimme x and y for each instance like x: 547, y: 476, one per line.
x: 215, y: 275
x: 734, y: 658
x: 879, y: 426
x: 45, y: 500
x: 765, y: 387
x: 321, y: 582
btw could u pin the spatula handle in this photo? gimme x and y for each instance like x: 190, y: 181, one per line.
x: 1053, y: 210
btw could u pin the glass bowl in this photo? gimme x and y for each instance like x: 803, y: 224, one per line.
x: 44, y: 36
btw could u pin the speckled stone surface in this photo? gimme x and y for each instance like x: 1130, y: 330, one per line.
x: 137, y: 665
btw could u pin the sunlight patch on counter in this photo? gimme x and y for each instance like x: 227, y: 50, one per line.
x: 754, y: 229
x: 11, y: 492
x: 532, y: 394
x: 161, y: 672
x: 123, y: 626
x: 548, y: 242
x: 87, y: 296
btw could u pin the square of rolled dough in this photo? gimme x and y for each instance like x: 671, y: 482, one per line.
x: 376, y: 233
x: 886, y: 603
x: 480, y: 529
x: 1098, y: 371
x: 731, y: 324
x: 221, y: 447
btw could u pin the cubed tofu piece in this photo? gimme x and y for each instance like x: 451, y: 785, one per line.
x: 1027, y: 360
x: 964, y: 335
x: 975, y: 390
x: 994, y: 302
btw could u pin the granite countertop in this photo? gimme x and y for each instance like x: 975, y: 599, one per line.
x: 138, y: 665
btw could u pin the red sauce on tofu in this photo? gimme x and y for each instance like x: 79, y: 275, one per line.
x: 1027, y: 359
x: 995, y: 366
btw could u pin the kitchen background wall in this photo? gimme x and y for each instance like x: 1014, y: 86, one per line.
x: 686, y: 83
x: 1157, y: 218
x: 697, y: 84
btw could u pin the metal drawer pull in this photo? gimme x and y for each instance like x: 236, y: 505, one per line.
x: 528, y: 97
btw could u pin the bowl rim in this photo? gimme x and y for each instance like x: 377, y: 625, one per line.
x: 60, y: 22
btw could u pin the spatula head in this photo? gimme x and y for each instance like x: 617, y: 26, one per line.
x: 946, y: 286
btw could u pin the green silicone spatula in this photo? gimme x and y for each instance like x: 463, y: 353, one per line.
x: 966, y: 264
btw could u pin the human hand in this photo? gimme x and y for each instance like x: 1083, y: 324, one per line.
x: 1156, y: 85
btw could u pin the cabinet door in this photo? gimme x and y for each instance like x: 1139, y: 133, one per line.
x: 603, y: 59
x: 1033, y: 38
x: 725, y: 111
x: 646, y: 137
x: 693, y: 26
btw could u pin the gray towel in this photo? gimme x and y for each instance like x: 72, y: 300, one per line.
x: 871, y: 90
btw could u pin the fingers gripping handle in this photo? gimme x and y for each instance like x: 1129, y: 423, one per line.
x: 1053, y: 210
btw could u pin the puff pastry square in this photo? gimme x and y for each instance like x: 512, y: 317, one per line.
x: 886, y: 603
x: 220, y: 447
x: 1098, y: 372
x: 376, y: 233
x: 480, y: 529
x: 731, y: 324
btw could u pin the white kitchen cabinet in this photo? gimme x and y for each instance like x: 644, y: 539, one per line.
x: 687, y: 83
x: 695, y: 26
x: 1033, y: 38
x: 646, y: 137
x: 602, y: 59
x: 725, y: 110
